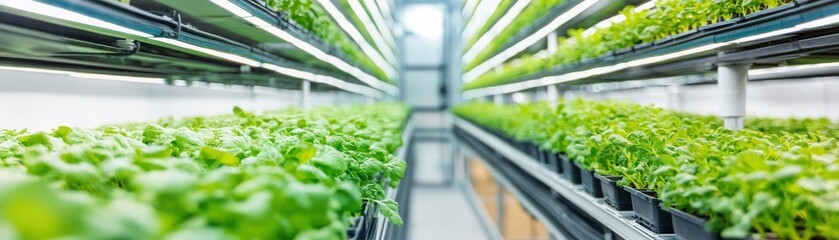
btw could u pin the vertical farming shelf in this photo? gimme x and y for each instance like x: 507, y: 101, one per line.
x: 576, y: 214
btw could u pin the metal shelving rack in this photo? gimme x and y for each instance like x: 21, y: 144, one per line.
x: 786, y: 34
x: 199, y: 55
x: 562, y: 17
x: 561, y: 205
x: 260, y: 25
x: 240, y: 42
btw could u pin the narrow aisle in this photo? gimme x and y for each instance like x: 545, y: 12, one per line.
x: 442, y: 213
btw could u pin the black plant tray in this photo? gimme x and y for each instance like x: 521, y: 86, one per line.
x: 690, y: 227
x: 355, y: 229
x: 535, y: 153
x: 553, y: 162
x: 648, y: 211
x: 615, y: 195
x: 570, y: 170
x: 590, y: 185
x: 362, y: 225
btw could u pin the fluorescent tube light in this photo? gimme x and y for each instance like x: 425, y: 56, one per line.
x: 229, y: 6
x: 317, y: 53
x: 67, y: 15
x: 381, y: 23
x: 357, y: 37
x: 374, y: 33
x: 96, y: 76
x: 496, y: 29
x: 480, y: 16
x: 384, y: 6
x: 219, y: 54
x: 118, y: 78
x: 469, y: 8
x: 289, y: 71
x: 528, y: 41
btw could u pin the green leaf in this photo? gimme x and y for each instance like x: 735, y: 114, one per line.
x: 212, y: 154
x: 390, y: 209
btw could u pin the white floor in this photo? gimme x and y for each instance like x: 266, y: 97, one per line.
x: 442, y: 213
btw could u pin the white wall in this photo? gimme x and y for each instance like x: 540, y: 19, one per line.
x: 43, y: 101
x: 818, y: 97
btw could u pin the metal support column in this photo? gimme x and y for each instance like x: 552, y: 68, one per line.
x: 731, y: 82
x: 552, y: 95
x: 675, y: 97
x: 305, y: 92
x: 498, y: 99
x: 551, y: 42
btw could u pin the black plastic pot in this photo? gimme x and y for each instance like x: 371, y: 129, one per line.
x: 590, y: 185
x: 570, y: 170
x: 356, y: 228
x: 535, y: 152
x: 690, y: 227
x: 545, y: 155
x: 553, y: 162
x: 615, y: 195
x: 648, y: 211
x: 523, y: 146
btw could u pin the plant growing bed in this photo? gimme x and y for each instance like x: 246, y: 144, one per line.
x: 690, y: 161
x: 648, y: 211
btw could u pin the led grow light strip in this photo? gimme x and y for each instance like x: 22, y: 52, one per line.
x: 374, y: 33
x: 384, y: 6
x: 311, y: 49
x: 350, y: 29
x: 552, y: 80
x: 469, y: 8
x: 340, y: 84
x: 379, y: 19
x: 482, y: 13
x: 528, y: 41
x: 224, y: 55
x: 496, y: 29
x: 108, y: 77
x: 66, y: 15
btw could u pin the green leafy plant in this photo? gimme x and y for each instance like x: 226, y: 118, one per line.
x: 669, y: 17
x: 774, y: 179
x: 290, y: 174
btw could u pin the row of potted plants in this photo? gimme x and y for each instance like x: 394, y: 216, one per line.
x: 288, y: 174
x: 663, y: 164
